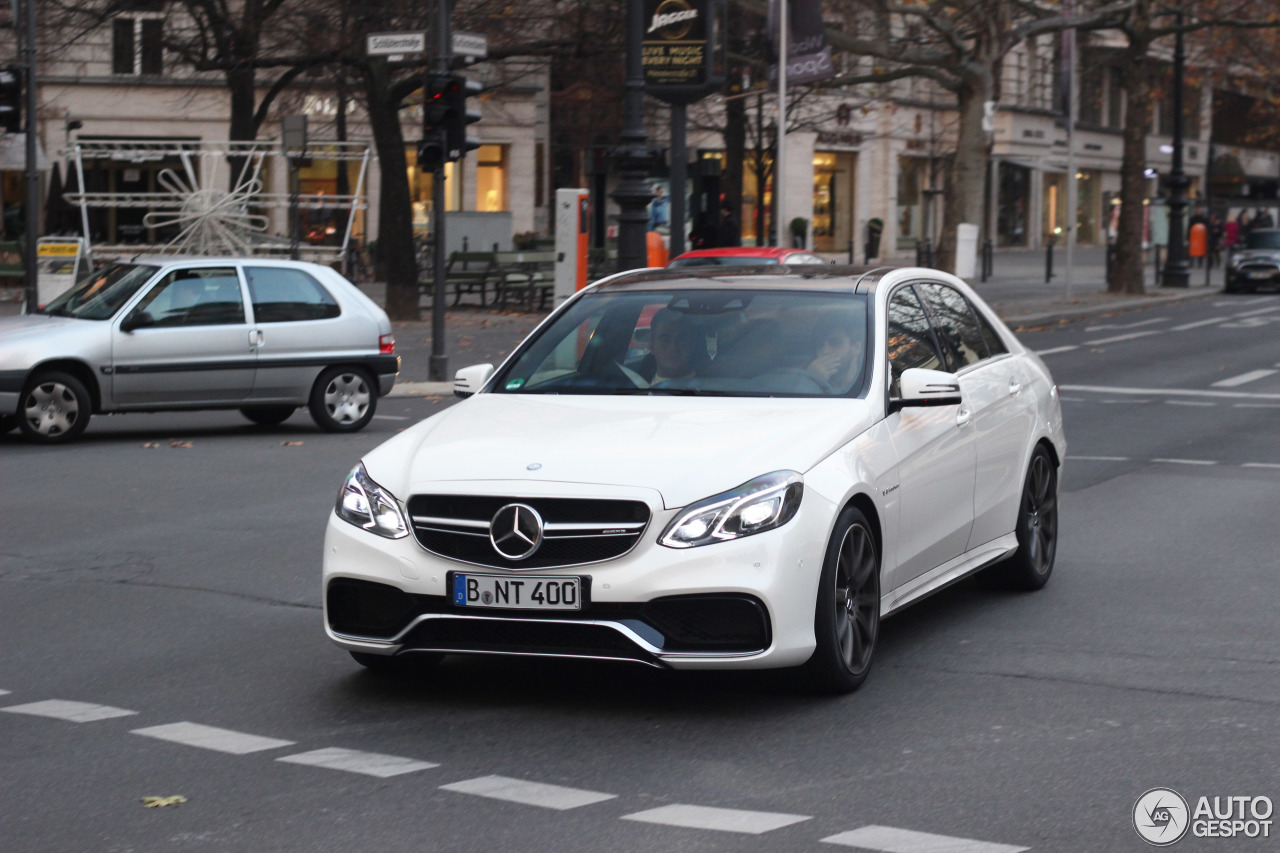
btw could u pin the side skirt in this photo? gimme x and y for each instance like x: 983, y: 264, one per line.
x: 949, y: 573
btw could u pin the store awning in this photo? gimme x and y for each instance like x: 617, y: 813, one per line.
x: 13, y: 153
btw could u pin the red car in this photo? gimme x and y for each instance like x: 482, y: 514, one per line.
x: 743, y: 256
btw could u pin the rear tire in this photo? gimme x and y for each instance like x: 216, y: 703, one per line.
x: 846, y: 622
x: 343, y: 400
x: 1037, y: 530
x: 54, y: 408
x: 268, y: 415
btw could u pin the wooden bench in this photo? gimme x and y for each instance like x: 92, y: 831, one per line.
x: 525, y: 275
x: 471, y: 272
x: 12, y: 271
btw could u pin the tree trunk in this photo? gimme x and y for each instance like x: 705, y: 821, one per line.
x: 395, y: 208
x: 735, y: 147
x: 966, y: 181
x: 1127, y: 274
x: 242, y: 85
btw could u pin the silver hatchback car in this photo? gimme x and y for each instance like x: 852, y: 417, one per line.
x: 262, y: 336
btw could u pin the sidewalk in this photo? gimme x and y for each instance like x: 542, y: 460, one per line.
x: 1016, y: 290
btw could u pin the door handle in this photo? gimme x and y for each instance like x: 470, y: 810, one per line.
x: 964, y: 416
x: 255, y: 338
x: 1015, y: 387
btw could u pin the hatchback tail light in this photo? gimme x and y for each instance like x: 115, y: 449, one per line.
x: 387, y: 344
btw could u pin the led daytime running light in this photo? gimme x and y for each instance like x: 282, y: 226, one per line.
x: 756, y: 506
x: 367, y: 505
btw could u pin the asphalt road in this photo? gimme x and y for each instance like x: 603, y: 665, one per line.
x: 168, y: 566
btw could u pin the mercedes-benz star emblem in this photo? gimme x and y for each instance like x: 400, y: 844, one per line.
x: 516, y: 531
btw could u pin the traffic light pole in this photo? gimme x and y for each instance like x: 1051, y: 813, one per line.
x: 33, y: 174
x: 438, y: 366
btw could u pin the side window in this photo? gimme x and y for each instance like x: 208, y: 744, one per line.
x: 909, y: 340
x: 195, y: 297
x: 995, y: 346
x: 282, y: 295
x: 955, y: 326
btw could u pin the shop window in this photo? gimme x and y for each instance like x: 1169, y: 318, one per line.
x: 137, y: 45
x: 911, y: 174
x: 491, y: 178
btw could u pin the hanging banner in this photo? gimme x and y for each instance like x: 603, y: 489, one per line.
x: 683, y: 49
x: 808, y: 54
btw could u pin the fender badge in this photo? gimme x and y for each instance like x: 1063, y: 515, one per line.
x: 533, y: 466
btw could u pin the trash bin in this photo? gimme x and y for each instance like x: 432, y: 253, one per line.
x: 875, y: 227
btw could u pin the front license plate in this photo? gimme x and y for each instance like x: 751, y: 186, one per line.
x: 517, y: 593
x: 1258, y: 274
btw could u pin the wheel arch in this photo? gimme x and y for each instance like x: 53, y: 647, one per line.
x: 863, y: 502
x: 79, y: 369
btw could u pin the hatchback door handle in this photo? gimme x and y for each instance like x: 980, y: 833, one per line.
x: 1015, y: 387
x: 255, y: 338
x: 964, y: 416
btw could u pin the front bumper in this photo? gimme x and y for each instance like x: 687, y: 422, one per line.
x: 745, y: 603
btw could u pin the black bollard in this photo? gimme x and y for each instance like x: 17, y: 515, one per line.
x: 1048, y: 260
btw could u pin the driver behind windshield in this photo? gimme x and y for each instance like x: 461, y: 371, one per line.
x: 838, y: 360
x: 671, y: 348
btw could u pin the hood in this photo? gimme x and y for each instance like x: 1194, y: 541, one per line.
x: 683, y: 448
x: 1257, y: 255
x: 31, y: 338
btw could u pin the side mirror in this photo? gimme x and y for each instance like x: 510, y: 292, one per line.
x: 921, y: 387
x: 469, y: 380
x: 136, y: 320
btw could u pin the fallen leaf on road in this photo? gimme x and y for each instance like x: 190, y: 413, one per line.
x: 160, y: 802
x: 291, y: 444
x: 181, y: 444
x: 152, y: 444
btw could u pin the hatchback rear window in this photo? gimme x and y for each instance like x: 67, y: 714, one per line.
x: 283, y: 295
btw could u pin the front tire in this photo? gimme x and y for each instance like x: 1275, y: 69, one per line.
x: 1037, y: 530
x: 54, y: 409
x: 846, y: 623
x: 343, y: 400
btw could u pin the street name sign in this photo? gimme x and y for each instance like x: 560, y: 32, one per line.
x: 396, y: 44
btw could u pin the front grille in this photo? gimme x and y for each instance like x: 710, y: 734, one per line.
x: 577, y: 531
x: 727, y: 623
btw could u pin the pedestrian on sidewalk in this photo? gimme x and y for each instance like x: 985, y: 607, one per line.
x: 1215, y: 240
x: 1242, y: 220
x: 1262, y: 219
x: 729, y: 232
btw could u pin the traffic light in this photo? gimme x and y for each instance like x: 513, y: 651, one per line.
x: 435, y: 110
x: 11, y: 99
x: 458, y: 117
x: 431, y: 151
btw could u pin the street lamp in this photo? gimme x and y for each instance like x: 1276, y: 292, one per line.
x: 633, y: 193
x: 1176, y: 272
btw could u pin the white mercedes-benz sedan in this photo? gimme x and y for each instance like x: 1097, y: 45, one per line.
x: 736, y: 468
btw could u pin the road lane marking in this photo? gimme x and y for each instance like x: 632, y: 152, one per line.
x: 1057, y: 350
x: 1119, y: 338
x: 1188, y: 403
x: 1260, y: 465
x: 1170, y: 392
x: 390, y: 418
x: 211, y: 737
x: 1244, y: 378
x: 1186, y: 461
x: 354, y: 761
x: 1098, y: 458
x: 723, y: 820
x: 1102, y: 326
x: 75, y: 712
x: 888, y: 839
x: 1259, y: 311
x: 528, y: 793
x: 1256, y: 406
x: 4, y: 692
x: 1197, y: 324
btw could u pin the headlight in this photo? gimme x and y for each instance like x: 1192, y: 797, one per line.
x: 369, y: 506
x: 754, y: 507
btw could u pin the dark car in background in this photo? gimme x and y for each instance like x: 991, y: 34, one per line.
x: 1255, y: 263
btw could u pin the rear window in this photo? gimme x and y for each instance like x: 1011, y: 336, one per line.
x: 283, y: 295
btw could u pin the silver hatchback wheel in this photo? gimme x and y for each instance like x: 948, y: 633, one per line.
x: 343, y: 400
x: 55, y: 407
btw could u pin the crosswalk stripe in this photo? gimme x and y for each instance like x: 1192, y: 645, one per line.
x: 4, y: 692
x: 75, y: 712
x: 1115, y: 340
x: 888, y: 839
x: 354, y: 761
x: 211, y: 737
x: 528, y: 793
x: 724, y: 820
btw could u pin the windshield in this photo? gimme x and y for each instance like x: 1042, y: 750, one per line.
x: 737, y: 343
x: 100, y: 295
x: 1263, y: 240
x: 720, y: 261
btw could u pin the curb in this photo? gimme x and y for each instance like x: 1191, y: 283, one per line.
x: 422, y: 389
x: 1069, y: 315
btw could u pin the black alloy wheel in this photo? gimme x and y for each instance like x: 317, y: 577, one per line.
x: 54, y: 408
x: 847, y: 621
x: 343, y: 400
x: 268, y: 415
x: 1037, y: 530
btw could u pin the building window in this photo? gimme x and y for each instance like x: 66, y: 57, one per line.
x: 491, y: 178
x: 137, y: 46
